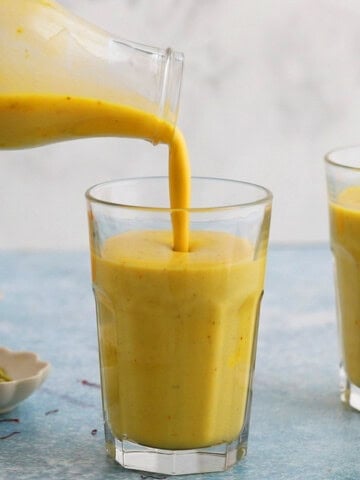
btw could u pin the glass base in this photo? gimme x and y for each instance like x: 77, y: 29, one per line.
x: 349, y: 393
x: 217, y: 458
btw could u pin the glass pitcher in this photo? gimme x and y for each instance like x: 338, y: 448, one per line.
x: 50, y: 57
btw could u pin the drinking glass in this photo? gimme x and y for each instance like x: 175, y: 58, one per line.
x: 343, y: 182
x: 177, y: 331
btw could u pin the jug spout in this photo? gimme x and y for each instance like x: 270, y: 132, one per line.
x: 54, y: 57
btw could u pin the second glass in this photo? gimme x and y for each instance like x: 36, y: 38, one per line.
x: 177, y: 330
x: 343, y: 181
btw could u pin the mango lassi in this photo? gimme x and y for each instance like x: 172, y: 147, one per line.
x: 177, y: 334
x: 176, y: 355
x: 177, y: 308
x: 345, y: 235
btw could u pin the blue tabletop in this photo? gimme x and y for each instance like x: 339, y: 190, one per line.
x: 299, y: 429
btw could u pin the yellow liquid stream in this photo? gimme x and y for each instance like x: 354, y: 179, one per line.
x: 345, y: 235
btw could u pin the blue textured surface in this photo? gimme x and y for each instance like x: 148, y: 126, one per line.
x: 299, y: 429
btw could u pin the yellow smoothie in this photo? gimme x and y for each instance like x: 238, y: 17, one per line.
x: 177, y: 310
x: 177, y: 332
x: 345, y: 235
x: 177, y: 320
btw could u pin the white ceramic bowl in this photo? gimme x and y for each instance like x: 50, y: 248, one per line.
x: 28, y: 373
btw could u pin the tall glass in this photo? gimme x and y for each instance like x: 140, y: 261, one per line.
x: 177, y: 330
x: 343, y: 181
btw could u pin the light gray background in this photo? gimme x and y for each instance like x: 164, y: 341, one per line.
x: 269, y: 87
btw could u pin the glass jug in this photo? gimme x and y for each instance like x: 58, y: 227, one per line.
x: 50, y: 57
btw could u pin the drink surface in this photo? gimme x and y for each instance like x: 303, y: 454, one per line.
x: 345, y: 235
x: 177, y: 331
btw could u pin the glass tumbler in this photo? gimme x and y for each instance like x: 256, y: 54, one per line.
x: 343, y: 182
x: 177, y: 331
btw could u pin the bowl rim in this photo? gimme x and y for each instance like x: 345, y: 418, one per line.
x: 43, y: 366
